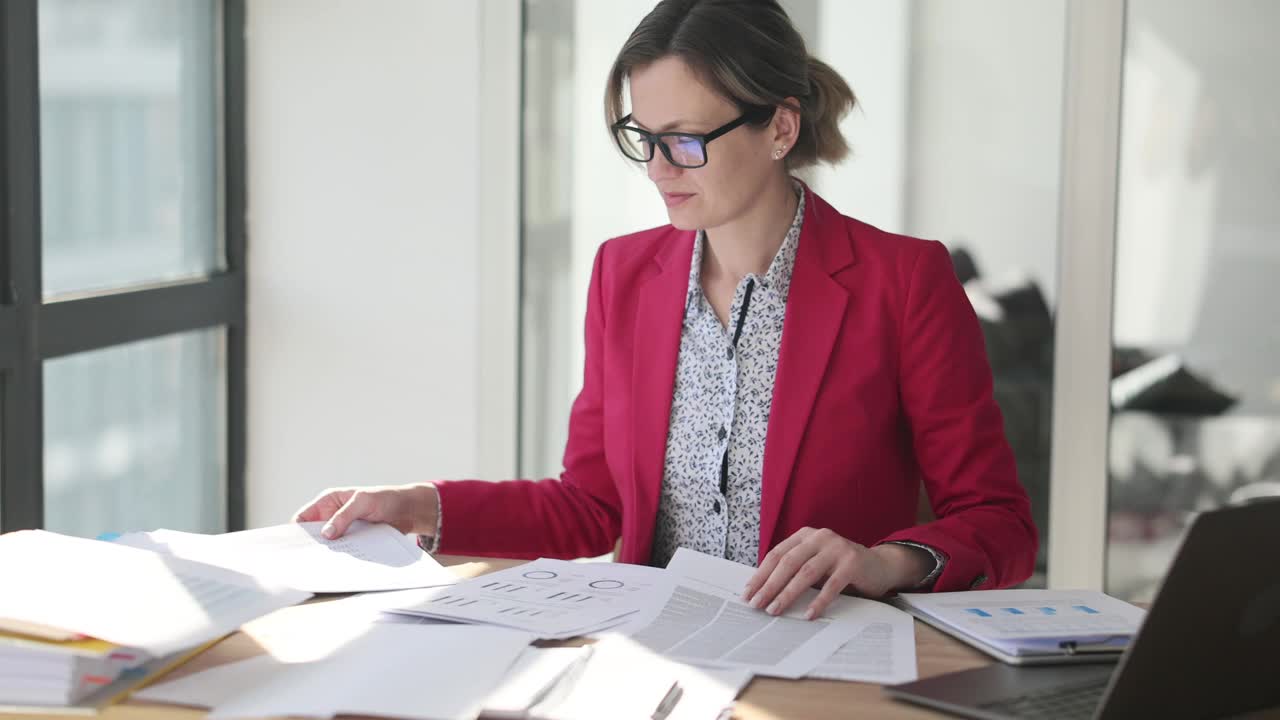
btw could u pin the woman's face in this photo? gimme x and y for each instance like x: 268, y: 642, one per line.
x: 667, y: 96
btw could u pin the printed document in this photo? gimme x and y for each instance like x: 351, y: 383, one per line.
x: 705, y: 622
x: 552, y: 598
x: 368, y: 557
x: 884, y: 653
x: 1030, y: 622
x: 131, y: 597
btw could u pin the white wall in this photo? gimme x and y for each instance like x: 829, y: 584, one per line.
x: 868, y: 43
x: 364, y: 247
x: 985, y: 131
x: 611, y: 196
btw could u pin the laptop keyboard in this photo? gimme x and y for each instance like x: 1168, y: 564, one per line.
x: 1069, y: 703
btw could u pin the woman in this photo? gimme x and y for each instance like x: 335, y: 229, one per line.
x: 766, y: 380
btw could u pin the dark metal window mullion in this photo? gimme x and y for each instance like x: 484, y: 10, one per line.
x: 235, y: 228
x: 22, y: 416
x: 69, y: 327
x: 8, y: 322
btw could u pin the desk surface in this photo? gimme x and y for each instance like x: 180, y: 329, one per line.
x: 764, y: 698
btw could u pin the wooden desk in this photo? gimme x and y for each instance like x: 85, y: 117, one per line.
x: 764, y: 698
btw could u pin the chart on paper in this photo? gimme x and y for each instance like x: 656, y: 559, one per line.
x: 1039, y: 618
x: 1029, y: 614
x: 552, y: 597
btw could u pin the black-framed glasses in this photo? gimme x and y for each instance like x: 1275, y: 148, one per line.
x: 683, y: 150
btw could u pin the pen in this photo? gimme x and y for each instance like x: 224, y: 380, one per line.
x: 668, y: 703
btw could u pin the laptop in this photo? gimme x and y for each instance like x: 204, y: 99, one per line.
x: 1209, y: 646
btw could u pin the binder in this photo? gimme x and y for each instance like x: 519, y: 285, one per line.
x: 1031, y: 627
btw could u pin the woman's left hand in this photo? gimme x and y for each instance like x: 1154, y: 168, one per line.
x: 811, y: 557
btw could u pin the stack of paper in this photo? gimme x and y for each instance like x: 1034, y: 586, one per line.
x: 47, y: 671
x: 419, y: 672
x: 706, y: 623
x: 553, y: 599
x: 368, y: 557
x: 1020, y: 625
x: 87, y: 611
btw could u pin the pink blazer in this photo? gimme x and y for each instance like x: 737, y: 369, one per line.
x: 883, y: 381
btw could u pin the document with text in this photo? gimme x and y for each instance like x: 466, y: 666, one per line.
x: 126, y: 596
x: 884, y: 653
x: 1030, y: 622
x: 705, y: 622
x: 553, y: 598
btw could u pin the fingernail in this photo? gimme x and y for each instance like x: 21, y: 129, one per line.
x: 773, y: 609
x: 810, y: 614
x: 757, y: 602
x: 327, y: 531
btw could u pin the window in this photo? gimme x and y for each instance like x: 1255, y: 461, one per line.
x: 1195, y: 420
x: 122, y: 300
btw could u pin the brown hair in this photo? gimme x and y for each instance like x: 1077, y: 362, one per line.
x: 749, y: 52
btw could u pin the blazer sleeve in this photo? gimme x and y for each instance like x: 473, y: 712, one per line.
x: 575, y: 515
x: 984, y: 525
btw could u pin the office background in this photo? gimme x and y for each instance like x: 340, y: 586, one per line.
x: 282, y: 245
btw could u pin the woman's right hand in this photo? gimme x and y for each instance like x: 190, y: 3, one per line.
x: 407, y: 508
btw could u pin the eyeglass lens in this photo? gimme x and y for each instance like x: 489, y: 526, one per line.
x: 683, y: 150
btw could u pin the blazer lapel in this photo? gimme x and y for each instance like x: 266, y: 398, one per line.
x: 656, y: 349
x: 816, y: 306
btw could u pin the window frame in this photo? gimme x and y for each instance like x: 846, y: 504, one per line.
x: 34, y: 329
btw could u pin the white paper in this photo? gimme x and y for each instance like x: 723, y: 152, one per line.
x: 706, y: 693
x: 316, y: 630
x: 367, y: 609
x: 623, y: 679
x: 530, y: 679
x: 884, y: 653
x: 131, y: 597
x: 368, y: 557
x: 552, y: 598
x: 882, y: 649
x: 705, y: 622
x: 440, y: 672
x: 217, y: 685
x: 1030, y: 621
x: 619, y: 679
